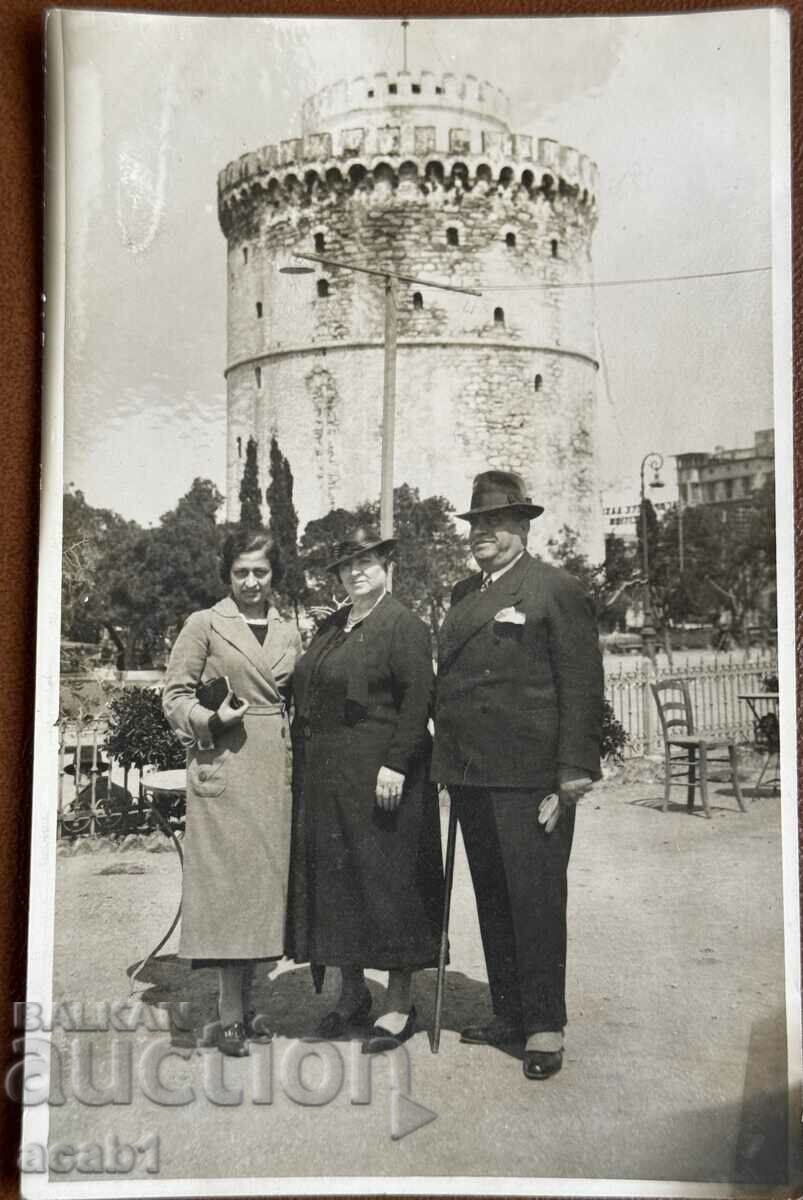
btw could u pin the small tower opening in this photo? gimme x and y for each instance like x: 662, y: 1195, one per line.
x: 239, y: 447
x: 258, y: 376
x: 323, y: 288
x: 320, y: 243
x: 438, y: 90
x: 510, y: 241
x: 259, y: 310
x: 499, y: 316
x: 245, y: 254
x: 370, y: 93
x: 393, y: 88
x: 418, y: 300
x: 537, y: 382
x: 554, y: 245
x: 416, y: 89
x: 452, y: 236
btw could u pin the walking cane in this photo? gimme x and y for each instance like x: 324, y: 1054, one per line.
x: 451, y: 842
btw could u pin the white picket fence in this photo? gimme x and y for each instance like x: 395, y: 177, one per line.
x: 714, y: 688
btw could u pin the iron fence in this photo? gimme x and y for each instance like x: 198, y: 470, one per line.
x: 715, y: 688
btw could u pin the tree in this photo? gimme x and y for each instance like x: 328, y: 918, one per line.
x: 169, y: 572
x: 250, y: 495
x: 283, y: 526
x: 606, y: 582
x: 88, y: 534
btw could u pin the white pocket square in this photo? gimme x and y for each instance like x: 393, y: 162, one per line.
x: 510, y: 616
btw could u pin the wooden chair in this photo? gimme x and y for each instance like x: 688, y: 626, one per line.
x: 694, y: 758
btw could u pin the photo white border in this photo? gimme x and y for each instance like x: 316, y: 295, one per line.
x: 41, y: 930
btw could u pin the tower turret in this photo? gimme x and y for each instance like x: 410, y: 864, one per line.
x: 420, y: 173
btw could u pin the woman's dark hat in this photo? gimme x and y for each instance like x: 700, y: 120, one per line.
x: 497, y: 490
x: 85, y: 765
x: 360, y: 541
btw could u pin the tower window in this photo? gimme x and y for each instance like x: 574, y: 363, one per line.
x: 416, y: 89
x: 554, y: 245
x: 438, y: 91
x: 499, y: 316
x: 418, y: 300
x: 258, y: 376
x: 392, y: 88
x: 245, y: 254
x: 452, y: 236
x: 320, y: 243
x: 323, y: 288
x: 370, y: 93
x: 239, y: 447
x: 538, y: 382
x: 510, y: 240
x: 259, y: 309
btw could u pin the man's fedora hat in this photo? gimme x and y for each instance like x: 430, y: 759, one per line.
x: 85, y: 764
x: 361, y: 540
x: 497, y: 490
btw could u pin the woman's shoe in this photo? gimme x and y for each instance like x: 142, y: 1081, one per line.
x: 231, y: 1040
x: 382, y: 1039
x: 335, y: 1024
x: 255, y: 1028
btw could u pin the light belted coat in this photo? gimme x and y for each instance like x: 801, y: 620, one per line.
x: 239, y: 809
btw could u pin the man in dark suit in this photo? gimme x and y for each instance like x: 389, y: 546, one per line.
x: 517, y: 733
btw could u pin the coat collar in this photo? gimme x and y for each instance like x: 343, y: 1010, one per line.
x: 227, y: 621
x: 374, y: 628
x: 477, y: 608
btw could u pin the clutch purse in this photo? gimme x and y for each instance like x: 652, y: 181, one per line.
x: 213, y: 692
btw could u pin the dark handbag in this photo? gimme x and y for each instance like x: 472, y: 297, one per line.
x: 213, y: 692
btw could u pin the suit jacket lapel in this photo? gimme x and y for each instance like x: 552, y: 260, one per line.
x: 478, y: 608
x: 226, y: 621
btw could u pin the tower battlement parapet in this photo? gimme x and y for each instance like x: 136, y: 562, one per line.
x: 306, y: 170
x: 375, y: 94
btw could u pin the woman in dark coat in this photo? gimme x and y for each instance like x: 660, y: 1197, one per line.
x: 366, y: 871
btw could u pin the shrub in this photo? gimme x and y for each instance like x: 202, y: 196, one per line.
x: 614, y: 736
x: 139, y: 735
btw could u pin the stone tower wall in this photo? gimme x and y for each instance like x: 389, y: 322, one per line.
x: 475, y: 386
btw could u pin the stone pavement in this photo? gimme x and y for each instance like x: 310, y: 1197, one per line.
x: 675, y: 1065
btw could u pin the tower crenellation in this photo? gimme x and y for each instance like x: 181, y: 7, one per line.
x: 422, y: 173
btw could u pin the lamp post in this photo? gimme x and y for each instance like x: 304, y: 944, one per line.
x: 391, y: 279
x: 655, y: 462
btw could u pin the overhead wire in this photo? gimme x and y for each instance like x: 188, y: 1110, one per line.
x: 605, y: 283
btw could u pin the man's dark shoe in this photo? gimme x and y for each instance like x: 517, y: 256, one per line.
x: 498, y: 1032
x: 540, y: 1064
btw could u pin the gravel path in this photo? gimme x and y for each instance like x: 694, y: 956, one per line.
x: 675, y: 1065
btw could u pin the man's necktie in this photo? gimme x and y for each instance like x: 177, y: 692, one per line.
x: 486, y: 583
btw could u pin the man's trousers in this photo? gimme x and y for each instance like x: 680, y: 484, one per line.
x: 519, y: 876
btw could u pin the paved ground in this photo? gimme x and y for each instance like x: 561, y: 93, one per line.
x: 676, y: 1056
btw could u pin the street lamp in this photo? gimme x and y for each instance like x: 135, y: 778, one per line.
x: 392, y: 280
x: 654, y: 461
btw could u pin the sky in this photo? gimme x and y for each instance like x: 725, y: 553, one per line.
x: 675, y: 110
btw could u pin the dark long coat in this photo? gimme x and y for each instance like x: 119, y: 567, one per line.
x: 366, y: 885
x: 520, y: 692
x: 239, y: 808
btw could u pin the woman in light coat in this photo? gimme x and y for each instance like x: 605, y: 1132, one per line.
x: 237, y: 840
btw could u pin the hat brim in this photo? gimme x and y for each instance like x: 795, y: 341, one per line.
x: 527, y: 510
x: 386, y: 544
x: 100, y: 765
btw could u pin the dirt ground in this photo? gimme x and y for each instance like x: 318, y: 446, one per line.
x: 675, y: 1064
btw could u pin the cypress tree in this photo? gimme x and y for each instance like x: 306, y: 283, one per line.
x: 250, y: 495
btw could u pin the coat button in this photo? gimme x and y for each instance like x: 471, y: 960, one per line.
x: 487, y: 671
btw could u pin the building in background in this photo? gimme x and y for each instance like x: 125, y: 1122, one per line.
x: 727, y: 477
x: 421, y: 174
